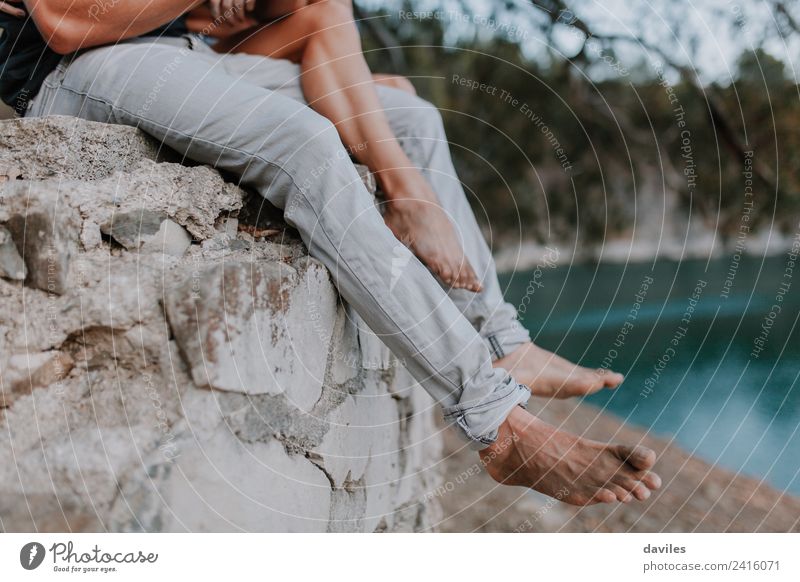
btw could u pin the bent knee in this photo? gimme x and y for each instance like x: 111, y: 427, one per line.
x: 312, y: 130
x: 328, y: 15
x: 395, y: 82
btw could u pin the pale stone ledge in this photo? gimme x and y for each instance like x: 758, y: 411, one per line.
x: 171, y: 359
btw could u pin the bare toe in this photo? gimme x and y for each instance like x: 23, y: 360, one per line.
x: 591, y: 384
x: 622, y: 494
x: 580, y: 384
x: 461, y: 281
x: 444, y: 273
x: 467, y: 283
x: 611, y: 379
x: 471, y: 279
x: 640, y: 492
x: 651, y: 480
x: 465, y: 276
x: 604, y: 496
x: 640, y: 457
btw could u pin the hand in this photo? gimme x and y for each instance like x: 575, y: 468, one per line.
x: 269, y: 10
x: 8, y: 7
x: 231, y: 10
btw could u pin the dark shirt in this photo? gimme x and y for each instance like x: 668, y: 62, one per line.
x: 25, y: 59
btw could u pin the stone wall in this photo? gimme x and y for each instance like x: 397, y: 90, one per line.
x: 171, y: 359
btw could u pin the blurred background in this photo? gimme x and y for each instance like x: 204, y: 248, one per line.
x: 604, y: 80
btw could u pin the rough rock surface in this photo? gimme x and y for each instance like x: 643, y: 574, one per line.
x: 11, y: 264
x: 168, y: 365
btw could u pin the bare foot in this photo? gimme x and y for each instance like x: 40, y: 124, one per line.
x: 551, y: 376
x: 423, y: 226
x: 531, y: 453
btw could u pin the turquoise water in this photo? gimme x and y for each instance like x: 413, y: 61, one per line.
x: 717, y: 371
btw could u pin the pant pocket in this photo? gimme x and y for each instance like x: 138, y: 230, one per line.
x: 40, y: 103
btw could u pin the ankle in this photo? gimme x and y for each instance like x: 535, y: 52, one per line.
x: 394, y: 185
x: 508, y: 434
x: 518, y: 355
x: 405, y: 183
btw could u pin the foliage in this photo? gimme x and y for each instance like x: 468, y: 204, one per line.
x: 623, y: 131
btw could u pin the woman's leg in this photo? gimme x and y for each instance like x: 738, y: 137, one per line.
x: 395, y: 82
x: 420, y: 130
x: 338, y: 84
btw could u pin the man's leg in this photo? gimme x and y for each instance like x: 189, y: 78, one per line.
x: 419, y: 128
x: 295, y: 159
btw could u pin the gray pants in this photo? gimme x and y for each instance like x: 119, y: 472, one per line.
x: 246, y: 114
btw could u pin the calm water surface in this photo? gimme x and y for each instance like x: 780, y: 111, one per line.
x: 718, y: 372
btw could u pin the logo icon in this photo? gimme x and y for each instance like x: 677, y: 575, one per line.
x: 31, y: 555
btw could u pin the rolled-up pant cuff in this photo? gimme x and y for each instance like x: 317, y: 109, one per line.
x: 478, y: 422
x: 503, y: 343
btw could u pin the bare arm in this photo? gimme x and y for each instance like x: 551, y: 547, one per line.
x: 69, y: 25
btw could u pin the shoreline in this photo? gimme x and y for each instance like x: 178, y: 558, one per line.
x: 528, y: 255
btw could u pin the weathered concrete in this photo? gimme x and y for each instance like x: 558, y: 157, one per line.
x: 189, y: 369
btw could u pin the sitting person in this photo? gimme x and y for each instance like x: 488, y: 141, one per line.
x: 335, y: 78
x: 319, y: 36
x: 211, y: 21
x: 245, y: 114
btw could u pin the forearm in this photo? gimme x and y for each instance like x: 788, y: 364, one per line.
x: 69, y: 25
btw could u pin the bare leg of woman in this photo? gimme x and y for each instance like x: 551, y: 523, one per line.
x: 338, y: 84
x: 395, y: 82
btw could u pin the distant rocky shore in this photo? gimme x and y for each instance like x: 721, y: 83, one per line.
x: 699, y: 243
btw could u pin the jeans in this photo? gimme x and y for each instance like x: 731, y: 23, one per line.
x: 246, y: 114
